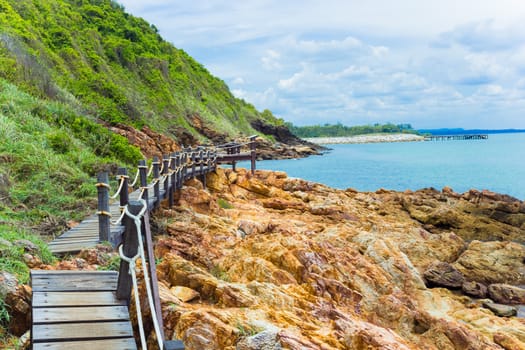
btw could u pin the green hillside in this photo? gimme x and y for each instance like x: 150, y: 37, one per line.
x: 100, y: 60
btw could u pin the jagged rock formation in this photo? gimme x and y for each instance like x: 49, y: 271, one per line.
x: 292, y: 264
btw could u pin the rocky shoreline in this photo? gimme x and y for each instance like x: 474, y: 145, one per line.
x: 268, y: 261
x: 286, y: 145
x: 366, y: 139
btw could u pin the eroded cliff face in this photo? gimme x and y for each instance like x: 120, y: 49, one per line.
x: 271, y: 262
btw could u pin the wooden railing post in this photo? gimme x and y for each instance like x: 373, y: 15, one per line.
x: 129, y: 249
x: 104, y: 215
x: 203, y: 158
x: 143, y: 174
x: 253, y: 146
x: 173, y: 182
x: 180, y: 173
x: 184, y: 164
x: 124, y: 191
x: 156, y: 177
x: 193, y: 160
x: 165, y: 171
x: 215, y: 154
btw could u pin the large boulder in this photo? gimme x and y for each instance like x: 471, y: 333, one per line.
x: 265, y: 340
x: 500, y: 309
x: 443, y: 274
x: 474, y: 289
x: 506, y: 294
x: 17, y: 299
x: 493, y: 262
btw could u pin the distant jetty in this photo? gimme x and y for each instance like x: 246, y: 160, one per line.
x: 456, y: 137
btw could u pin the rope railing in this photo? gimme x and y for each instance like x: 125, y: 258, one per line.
x: 167, y: 175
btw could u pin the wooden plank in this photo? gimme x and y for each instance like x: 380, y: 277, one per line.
x: 71, y: 247
x: 73, y: 281
x: 121, y: 344
x: 44, y: 273
x: 226, y: 158
x: 88, y: 243
x: 46, y: 299
x: 75, y: 239
x: 77, y: 230
x: 71, y: 331
x: 79, y: 239
x: 80, y: 314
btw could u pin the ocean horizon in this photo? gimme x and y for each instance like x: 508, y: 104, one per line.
x: 495, y: 164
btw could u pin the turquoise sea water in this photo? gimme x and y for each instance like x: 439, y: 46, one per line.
x: 496, y: 164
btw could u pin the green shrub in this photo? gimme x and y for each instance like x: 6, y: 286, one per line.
x: 224, y: 204
x: 60, y: 141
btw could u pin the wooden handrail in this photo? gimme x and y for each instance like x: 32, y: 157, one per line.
x: 177, y: 168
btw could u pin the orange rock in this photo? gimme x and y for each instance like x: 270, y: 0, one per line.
x: 183, y: 293
x: 318, y: 268
x: 493, y: 262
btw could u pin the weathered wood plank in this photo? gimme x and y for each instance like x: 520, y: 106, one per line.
x: 71, y: 247
x: 73, y: 281
x: 80, y: 314
x: 74, y: 239
x: 45, y: 299
x: 83, y: 244
x: 120, y: 344
x: 71, y: 331
x: 76, y: 232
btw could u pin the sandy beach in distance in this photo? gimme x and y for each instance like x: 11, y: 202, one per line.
x: 366, y: 138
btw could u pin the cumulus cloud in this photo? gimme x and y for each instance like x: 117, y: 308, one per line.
x: 270, y: 61
x: 238, y: 81
x: 486, y: 35
x: 315, y: 46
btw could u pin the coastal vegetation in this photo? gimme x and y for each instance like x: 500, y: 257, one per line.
x: 340, y: 130
x: 98, y: 59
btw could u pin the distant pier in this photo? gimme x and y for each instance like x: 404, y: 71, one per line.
x: 456, y: 137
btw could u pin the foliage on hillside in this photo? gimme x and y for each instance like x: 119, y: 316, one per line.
x: 336, y: 130
x: 49, y: 156
x: 92, y: 55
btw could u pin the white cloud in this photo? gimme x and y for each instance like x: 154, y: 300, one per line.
x: 490, y: 90
x: 239, y: 93
x: 379, y: 51
x: 270, y: 61
x: 238, y: 81
x: 316, y: 46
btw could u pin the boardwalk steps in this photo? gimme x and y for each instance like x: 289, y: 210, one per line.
x: 79, y: 310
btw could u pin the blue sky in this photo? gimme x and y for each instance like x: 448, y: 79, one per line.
x: 447, y: 63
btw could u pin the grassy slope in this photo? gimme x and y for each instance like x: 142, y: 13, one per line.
x: 113, y: 65
x: 49, y: 155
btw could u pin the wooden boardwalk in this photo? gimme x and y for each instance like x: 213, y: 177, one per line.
x: 79, y: 310
x: 89, y: 310
x: 86, y: 234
